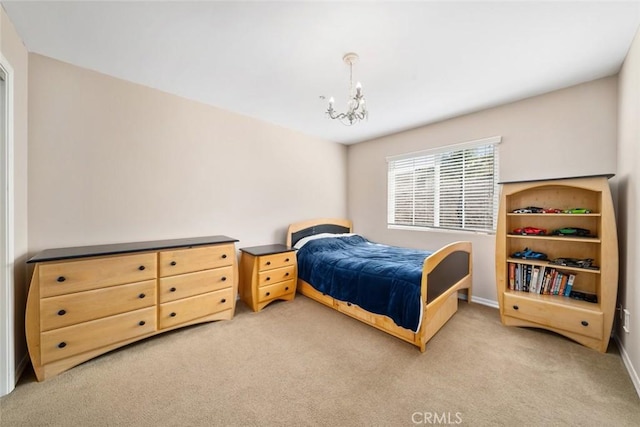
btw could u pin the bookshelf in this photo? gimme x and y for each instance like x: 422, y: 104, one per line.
x: 586, y: 314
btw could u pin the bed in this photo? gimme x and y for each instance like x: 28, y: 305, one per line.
x: 327, y: 249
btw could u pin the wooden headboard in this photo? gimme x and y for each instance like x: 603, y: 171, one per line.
x: 316, y: 226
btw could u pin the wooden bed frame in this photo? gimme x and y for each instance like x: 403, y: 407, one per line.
x: 445, y: 272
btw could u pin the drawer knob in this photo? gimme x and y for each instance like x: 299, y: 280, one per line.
x: 172, y: 290
x: 515, y: 307
x: 224, y: 279
x: 141, y: 268
x: 268, y: 278
x: 268, y: 262
x: 268, y: 293
x: 286, y: 274
x: 61, y: 279
x: 286, y: 289
x: 223, y: 300
x: 584, y: 323
x: 173, y: 263
x: 62, y: 344
x: 224, y: 256
x: 141, y: 323
x: 349, y: 304
x: 141, y: 296
x: 172, y: 314
x: 286, y: 260
x: 62, y: 312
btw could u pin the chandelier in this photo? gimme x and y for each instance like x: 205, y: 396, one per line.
x: 356, y: 109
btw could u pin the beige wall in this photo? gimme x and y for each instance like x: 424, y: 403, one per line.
x: 15, y: 52
x: 628, y: 205
x: 570, y: 132
x: 112, y: 161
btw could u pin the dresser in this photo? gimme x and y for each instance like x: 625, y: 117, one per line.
x: 85, y: 301
x: 267, y: 273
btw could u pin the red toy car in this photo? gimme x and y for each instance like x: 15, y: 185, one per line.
x: 530, y: 231
x: 551, y: 210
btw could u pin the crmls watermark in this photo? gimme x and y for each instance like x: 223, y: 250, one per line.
x: 441, y: 418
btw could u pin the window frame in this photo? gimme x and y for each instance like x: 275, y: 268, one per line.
x: 433, y: 157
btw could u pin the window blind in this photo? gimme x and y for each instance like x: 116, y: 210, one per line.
x: 451, y: 189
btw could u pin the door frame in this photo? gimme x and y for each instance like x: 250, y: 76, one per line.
x: 7, y: 294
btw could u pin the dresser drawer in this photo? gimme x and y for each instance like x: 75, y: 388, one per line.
x: 195, y: 259
x: 59, y: 278
x: 571, y: 319
x: 190, y: 284
x: 266, y: 293
x: 76, y: 339
x: 57, y: 312
x: 276, y: 275
x: 269, y: 262
x: 184, y: 310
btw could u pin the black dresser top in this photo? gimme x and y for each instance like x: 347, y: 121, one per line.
x: 123, y: 248
x: 266, y: 249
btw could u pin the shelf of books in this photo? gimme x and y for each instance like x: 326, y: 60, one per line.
x: 557, y: 257
x: 552, y: 280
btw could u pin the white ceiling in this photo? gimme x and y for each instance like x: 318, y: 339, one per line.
x: 420, y: 62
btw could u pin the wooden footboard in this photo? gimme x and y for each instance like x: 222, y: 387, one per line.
x: 445, y: 272
x: 449, y: 270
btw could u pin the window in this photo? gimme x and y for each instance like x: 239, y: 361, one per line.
x: 454, y: 187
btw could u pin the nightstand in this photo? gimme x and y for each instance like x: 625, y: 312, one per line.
x: 267, y: 273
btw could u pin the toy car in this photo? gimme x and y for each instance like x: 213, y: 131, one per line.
x: 551, y: 210
x: 575, y: 262
x: 584, y: 296
x: 529, y: 209
x: 529, y: 254
x: 530, y: 230
x: 571, y: 231
x: 577, y: 211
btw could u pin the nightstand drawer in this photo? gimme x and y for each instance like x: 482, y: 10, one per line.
x: 269, y: 262
x: 277, y: 290
x: 270, y: 277
x: 191, y: 284
x: 579, y: 321
x: 65, y: 310
x: 194, y: 259
x: 76, y: 339
x: 59, y: 278
x: 184, y: 310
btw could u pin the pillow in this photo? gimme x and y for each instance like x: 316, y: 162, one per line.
x: 300, y: 243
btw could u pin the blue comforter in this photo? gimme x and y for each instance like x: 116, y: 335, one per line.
x: 380, y: 279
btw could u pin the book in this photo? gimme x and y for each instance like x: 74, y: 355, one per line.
x: 543, y: 271
x: 512, y: 275
x: 552, y: 284
x: 548, y: 283
x: 534, y: 279
x: 563, y: 284
x: 556, y: 283
x: 527, y: 279
x: 567, y: 290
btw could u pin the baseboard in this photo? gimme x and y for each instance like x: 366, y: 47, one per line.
x: 483, y: 301
x: 627, y: 363
x: 21, y: 367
